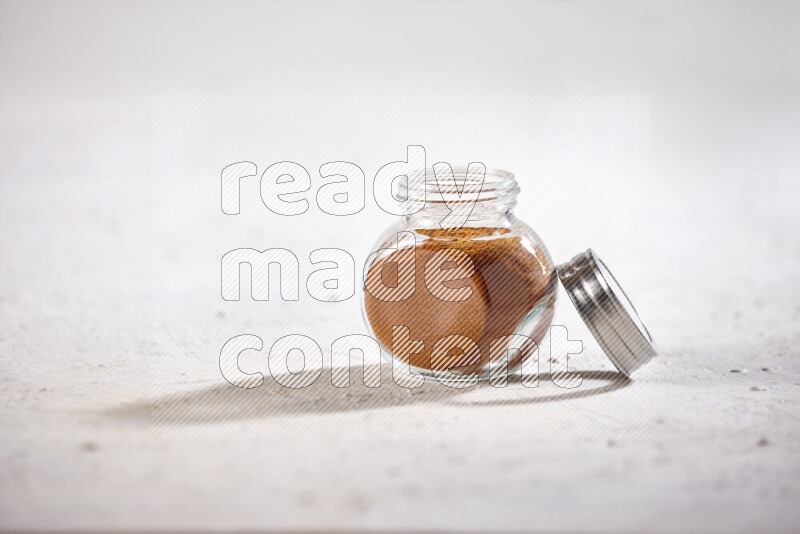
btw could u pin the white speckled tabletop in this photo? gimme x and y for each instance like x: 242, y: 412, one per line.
x: 114, y: 414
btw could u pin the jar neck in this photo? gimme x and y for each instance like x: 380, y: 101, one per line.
x: 468, y: 196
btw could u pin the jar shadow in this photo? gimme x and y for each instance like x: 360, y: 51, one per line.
x: 224, y: 402
x: 609, y: 381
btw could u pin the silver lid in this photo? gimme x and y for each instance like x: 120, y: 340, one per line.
x: 607, y: 311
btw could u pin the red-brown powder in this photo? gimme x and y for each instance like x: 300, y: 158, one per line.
x: 509, y: 280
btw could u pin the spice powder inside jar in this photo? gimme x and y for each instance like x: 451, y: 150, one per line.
x: 512, y: 279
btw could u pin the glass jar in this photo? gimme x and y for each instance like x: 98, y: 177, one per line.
x: 460, y: 289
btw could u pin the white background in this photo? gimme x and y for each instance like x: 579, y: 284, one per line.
x: 700, y: 176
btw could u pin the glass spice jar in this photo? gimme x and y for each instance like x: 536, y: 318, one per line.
x: 461, y: 289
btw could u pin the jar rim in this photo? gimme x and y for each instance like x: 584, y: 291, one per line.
x: 489, y: 190
x: 463, y: 171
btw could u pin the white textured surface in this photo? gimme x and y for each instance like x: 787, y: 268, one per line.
x: 689, y: 445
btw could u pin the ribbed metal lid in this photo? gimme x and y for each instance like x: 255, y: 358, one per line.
x: 607, y: 311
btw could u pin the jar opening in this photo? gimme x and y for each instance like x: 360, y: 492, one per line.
x: 487, y: 190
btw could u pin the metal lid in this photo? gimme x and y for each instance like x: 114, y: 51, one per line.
x: 607, y: 311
